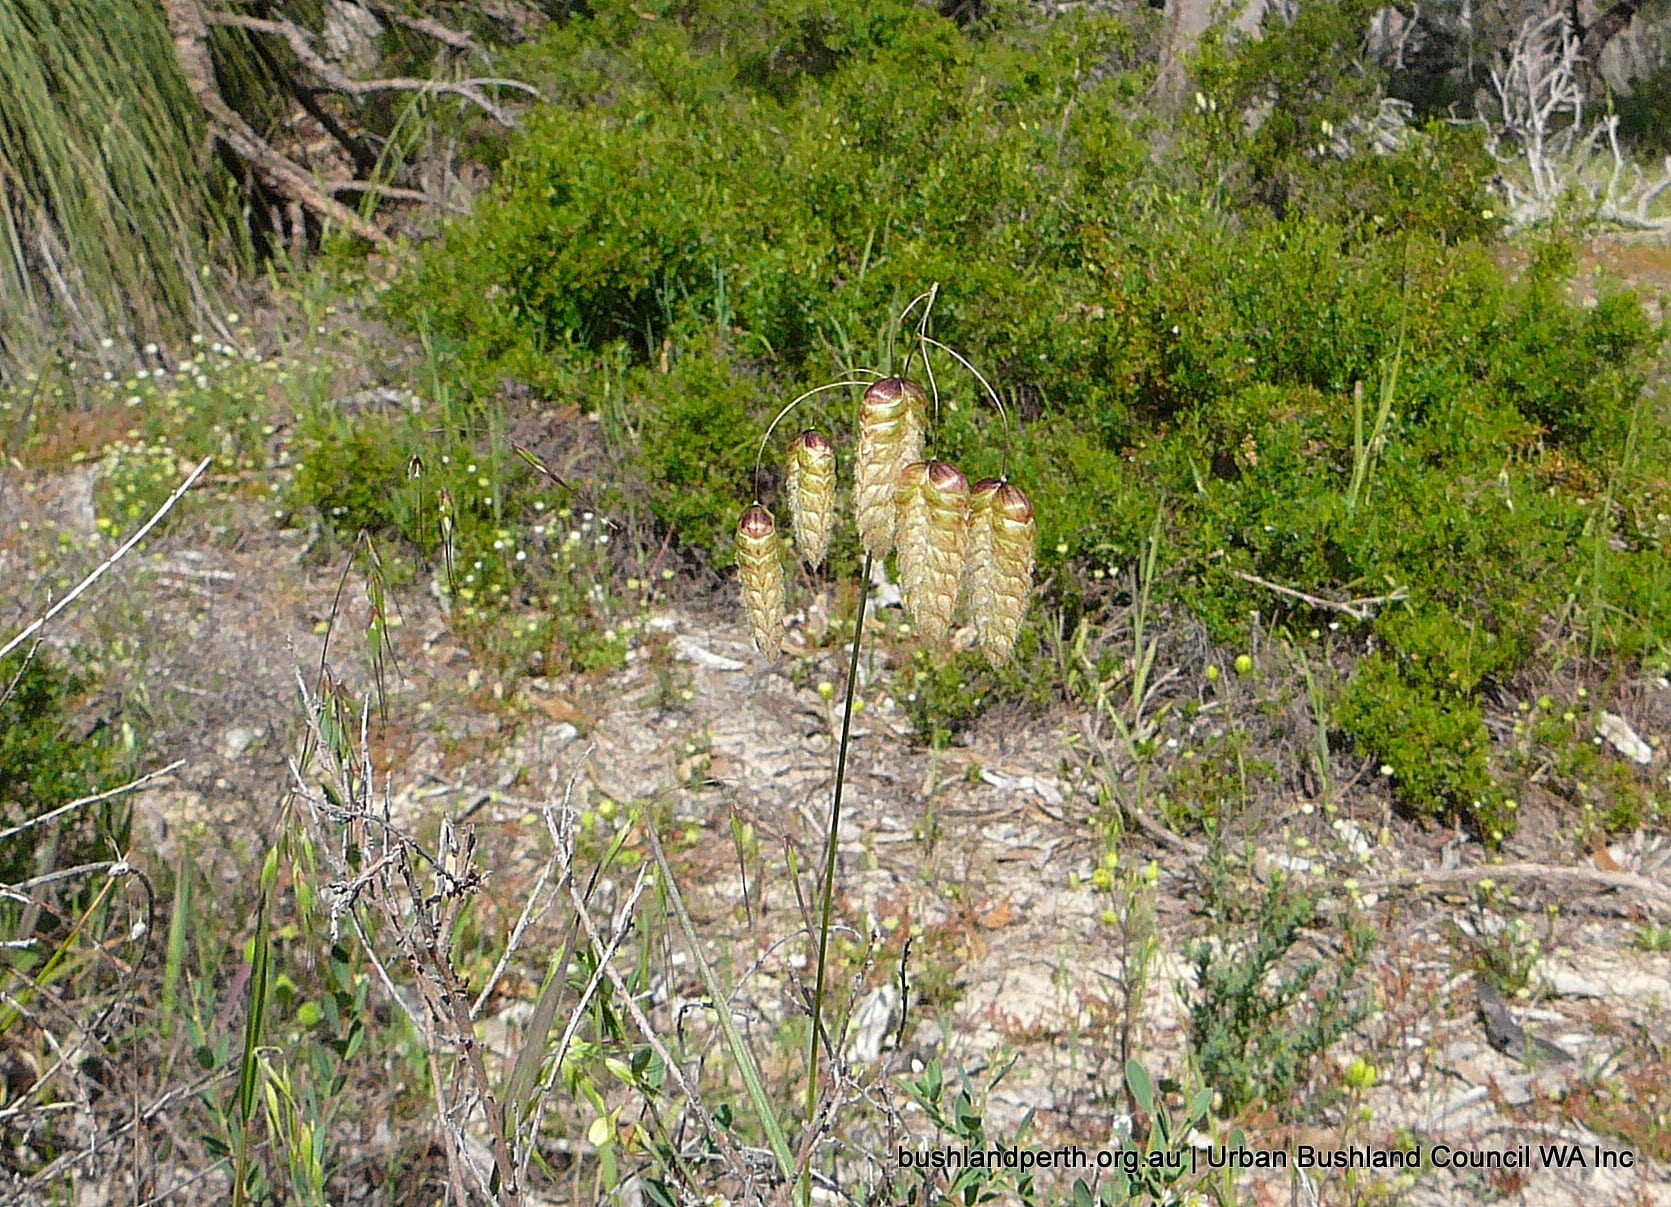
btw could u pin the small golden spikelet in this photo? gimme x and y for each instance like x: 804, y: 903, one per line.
x: 812, y: 478
x: 892, y: 420
x: 761, y: 574
x: 932, y: 500
x: 1001, y: 540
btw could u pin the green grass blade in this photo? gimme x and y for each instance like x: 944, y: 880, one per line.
x: 255, y: 1014
x: 174, y: 955
x: 747, y: 1069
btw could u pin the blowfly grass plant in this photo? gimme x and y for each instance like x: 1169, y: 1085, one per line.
x: 953, y: 547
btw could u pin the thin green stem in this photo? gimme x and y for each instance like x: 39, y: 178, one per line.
x: 830, y: 845
x: 1003, y: 412
x: 760, y: 455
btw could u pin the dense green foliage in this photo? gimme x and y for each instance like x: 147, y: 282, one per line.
x: 719, y: 210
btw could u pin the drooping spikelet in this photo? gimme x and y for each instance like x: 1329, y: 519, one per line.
x: 761, y: 574
x: 1000, y: 564
x: 812, y: 477
x: 932, y: 504
x: 892, y: 419
x: 910, y: 519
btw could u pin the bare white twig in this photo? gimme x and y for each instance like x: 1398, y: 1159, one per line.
x: 1627, y: 882
x: 1540, y: 97
x: 1357, y: 609
x: 103, y: 568
x: 131, y: 786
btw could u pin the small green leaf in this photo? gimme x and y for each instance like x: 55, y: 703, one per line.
x: 1137, y: 1080
x: 1203, y: 1103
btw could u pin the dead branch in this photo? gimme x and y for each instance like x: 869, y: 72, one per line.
x: 301, y: 45
x: 190, y: 30
x: 103, y: 568
x: 1104, y: 770
x: 1357, y: 609
x: 458, y: 39
x: 395, y: 194
x: 61, y: 810
x: 1594, y: 878
x: 1541, y: 88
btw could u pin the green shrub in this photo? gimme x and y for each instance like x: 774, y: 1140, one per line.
x: 1431, y: 742
x: 354, y: 474
x: 529, y: 573
x: 1210, y: 787
x: 44, y: 764
x: 1257, y: 1017
x: 721, y: 209
x: 944, y: 693
x: 696, y: 448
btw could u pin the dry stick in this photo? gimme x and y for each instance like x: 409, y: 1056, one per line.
x: 104, y: 567
x: 525, y: 1068
x: 396, y: 194
x: 577, y: 1016
x: 1355, y: 608
x: 424, y: 952
x: 1144, y: 822
x: 439, y: 935
x: 1594, y: 878
x: 76, y: 1156
x: 116, y: 870
x: 92, y: 800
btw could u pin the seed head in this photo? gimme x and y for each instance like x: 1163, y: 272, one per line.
x: 1000, y: 564
x: 892, y: 419
x: 812, y: 476
x: 761, y: 574
x: 932, y: 502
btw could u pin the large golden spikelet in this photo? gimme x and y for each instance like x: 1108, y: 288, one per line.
x: 932, y: 502
x: 892, y: 419
x: 761, y: 574
x: 1002, y: 536
x: 812, y: 479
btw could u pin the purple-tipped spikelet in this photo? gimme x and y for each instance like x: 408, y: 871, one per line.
x: 811, y: 482
x: 932, y: 502
x: 892, y: 420
x: 761, y: 574
x: 1000, y: 564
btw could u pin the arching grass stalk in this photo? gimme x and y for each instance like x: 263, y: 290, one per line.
x: 760, y: 454
x: 827, y: 894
